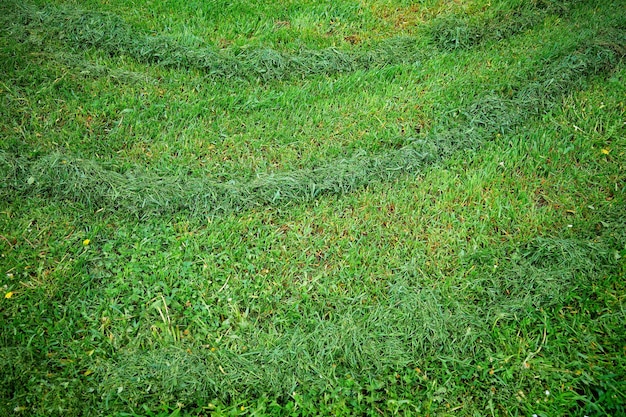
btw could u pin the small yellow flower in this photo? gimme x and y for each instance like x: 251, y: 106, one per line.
x: 9, y: 294
x: 86, y: 242
x: 605, y: 151
x: 242, y: 408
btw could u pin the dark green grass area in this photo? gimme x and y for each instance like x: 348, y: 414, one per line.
x: 333, y: 208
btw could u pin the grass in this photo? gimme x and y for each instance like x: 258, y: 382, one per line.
x: 333, y: 208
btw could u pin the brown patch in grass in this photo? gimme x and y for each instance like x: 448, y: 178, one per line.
x: 405, y: 18
x: 353, y: 39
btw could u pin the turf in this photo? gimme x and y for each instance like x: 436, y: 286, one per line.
x: 312, y: 208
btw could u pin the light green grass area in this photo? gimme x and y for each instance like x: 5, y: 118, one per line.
x: 313, y: 208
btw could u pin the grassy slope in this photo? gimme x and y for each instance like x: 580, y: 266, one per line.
x: 476, y: 261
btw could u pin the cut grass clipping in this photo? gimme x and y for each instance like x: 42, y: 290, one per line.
x: 82, y: 29
x: 463, y: 32
x: 475, y: 267
x: 61, y: 177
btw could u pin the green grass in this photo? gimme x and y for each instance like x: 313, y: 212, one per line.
x: 312, y: 208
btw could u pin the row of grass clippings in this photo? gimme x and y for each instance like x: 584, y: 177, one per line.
x: 411, y: 322
x: 85, y: 29
x: 103, y: 335
x: 79, y: 29
x: 465, y: 31
x: 62, y: 177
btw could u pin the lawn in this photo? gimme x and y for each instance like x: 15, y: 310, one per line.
x: 313, y: 207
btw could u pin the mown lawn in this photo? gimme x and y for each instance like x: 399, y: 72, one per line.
x: 313, y: 208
